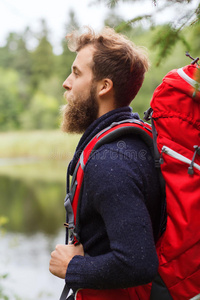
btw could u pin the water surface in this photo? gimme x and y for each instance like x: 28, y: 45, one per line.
x: 31, y: 197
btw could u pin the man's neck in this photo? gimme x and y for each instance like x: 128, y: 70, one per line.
x: 106, y: 107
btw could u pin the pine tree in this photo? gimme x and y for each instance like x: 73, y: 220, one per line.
x: 170, y: 34
x: 67, y: 56
x: 42, y: 58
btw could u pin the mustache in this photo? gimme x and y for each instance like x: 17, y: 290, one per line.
x: 68, y: 98
x: 66, y: 95
x: 62, y: 110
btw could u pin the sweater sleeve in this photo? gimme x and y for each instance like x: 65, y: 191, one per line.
x: 116, y: 188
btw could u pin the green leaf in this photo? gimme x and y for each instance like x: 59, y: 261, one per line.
x: 165, y: 40
x: 3, y: 220
x: 124, y: 25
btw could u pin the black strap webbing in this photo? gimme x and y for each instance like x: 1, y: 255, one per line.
x: 65, y: 293
x: 159, y: 290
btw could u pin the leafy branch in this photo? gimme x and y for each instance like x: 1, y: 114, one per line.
x: 168, y: 36
x: 3, y: 220
x: 166, y: 39
x: 125, y: 25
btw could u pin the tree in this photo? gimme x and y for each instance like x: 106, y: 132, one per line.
x: 67, y: 57
x: 10, y: 103
x: 42, y: 113
x: 42, y: 57
x: 171, y: 33
x: 113, y: 20
x: 15, y: 54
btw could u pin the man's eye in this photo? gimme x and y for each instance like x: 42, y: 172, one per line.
x: 75, y: 73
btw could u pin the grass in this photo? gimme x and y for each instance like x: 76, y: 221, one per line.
x: 36, y: 155
x: 46, y: 171
x: 49, y: 145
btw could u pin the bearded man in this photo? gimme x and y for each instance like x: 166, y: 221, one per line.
x: 120, y: 206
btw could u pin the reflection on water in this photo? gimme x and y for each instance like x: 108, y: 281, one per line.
x: 26, y: 261
x: 16, y: 160
x: 31, y: 197
x: 32, y: 202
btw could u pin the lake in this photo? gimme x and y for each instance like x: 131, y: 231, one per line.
x: 32, y: 194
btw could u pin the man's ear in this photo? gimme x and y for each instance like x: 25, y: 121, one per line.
x: 106, y: 86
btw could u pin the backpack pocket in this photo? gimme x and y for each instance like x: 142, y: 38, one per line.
x: 180, y: 241
x: 181, y: 158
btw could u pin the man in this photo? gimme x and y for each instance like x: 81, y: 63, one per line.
x: 119, y: 211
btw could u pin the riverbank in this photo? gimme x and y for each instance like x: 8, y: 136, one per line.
x: 32, y: 182
x: 36, y: 155
x: 41, y: 144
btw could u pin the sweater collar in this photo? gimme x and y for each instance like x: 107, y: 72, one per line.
x: 104, y: 121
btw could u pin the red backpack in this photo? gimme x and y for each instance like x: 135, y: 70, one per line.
x: 175, y: 115
x: 175, y: 111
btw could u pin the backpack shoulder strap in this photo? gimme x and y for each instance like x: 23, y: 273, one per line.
x: 107, y: 135
x: 116, y: 130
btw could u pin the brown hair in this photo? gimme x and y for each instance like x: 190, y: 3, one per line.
x: 116, y: 58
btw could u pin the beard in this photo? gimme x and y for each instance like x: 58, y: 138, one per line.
x: 79, y: 113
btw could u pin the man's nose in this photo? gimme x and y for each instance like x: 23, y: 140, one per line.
x: 67, y: 83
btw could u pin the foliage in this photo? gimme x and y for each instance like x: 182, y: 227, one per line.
x: 171, y: 33
x: 4, y: 294
x: 165, y: 39
x: 10, y: 104
x: 44, y: 112
x: 66, y: 58
x: 31, y: 77
x: 3, y: 220
x: 123, y: 26
x: 37, y: 145
x: 42, y: 57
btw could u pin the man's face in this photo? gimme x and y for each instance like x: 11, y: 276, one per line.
x: 81, y: 95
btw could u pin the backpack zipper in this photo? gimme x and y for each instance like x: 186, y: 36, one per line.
x: 179, y: 157
x: 189, y: 80
x: 75, y: 296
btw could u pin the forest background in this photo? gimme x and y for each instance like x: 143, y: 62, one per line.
x: 31, y: 79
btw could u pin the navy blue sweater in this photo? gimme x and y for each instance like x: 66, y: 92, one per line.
x: 119, y: 212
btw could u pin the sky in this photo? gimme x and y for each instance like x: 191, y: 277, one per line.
x: 15, y: 15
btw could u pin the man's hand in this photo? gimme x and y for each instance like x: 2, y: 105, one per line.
x: 61, y: 257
